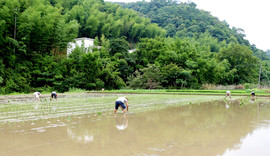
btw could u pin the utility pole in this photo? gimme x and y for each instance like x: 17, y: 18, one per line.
x: 260, y: 76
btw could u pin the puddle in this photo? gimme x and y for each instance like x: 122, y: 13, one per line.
x: 240, y: 128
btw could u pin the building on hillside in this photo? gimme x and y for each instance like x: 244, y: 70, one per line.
x: 88, y: 43
x: 131, y: 51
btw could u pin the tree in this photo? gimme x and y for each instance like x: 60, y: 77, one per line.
x: 171, y: 30
x: 149, y: 50
x: 135, y: 80
x: 148, y: 78
x: 118, y: 45
x: 241, y: 61
x: 91, y: 69
x: 170, y: 75
x: 111, y: 77
x: 92, y: 26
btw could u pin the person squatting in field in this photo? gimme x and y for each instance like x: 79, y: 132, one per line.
x: 54, y: 95
x: 121, y: 101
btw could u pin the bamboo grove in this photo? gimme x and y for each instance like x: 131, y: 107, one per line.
x: 177, y: 46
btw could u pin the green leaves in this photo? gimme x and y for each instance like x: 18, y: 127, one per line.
x: 34, y: 37
x: 243, y: 63
x: 147, y: 78
x: 118, y: 45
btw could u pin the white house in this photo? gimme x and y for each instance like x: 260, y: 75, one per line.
x: 131, y: 51
x: 88, y: 43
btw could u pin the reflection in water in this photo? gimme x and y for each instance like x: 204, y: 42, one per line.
x: 80, y: 136
x: 252, y: 99
x: 228, y: 103
x: 251, y: 146
x: 206, y: 129
x: 121, y: 121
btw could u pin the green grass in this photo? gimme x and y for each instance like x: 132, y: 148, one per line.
x: 191, y: 91
x: 75, y: 90
x: 239, y: 92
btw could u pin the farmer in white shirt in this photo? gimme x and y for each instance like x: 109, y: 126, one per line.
x: 54, y: 95
x: 37, y: 94
x: 228, y: 93
x: 121, y: 101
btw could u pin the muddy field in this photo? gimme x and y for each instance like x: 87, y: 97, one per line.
x: 25, y: 108
x: 161, y: 125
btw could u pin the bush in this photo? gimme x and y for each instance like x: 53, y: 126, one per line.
x: 76, y: 90
x: 45, y: 89
x: 240, y: 86
x: 221, y: 87
x: 208, y: 86
x: 2, y: 90
x: 250, y: 85
x: 247, y: 85
x: 266, y: 90
x: 253, y: 90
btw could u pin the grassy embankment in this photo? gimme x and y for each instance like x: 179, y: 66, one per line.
x: 191, y: 92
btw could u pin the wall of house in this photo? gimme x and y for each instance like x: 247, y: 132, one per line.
x: 88, y: 42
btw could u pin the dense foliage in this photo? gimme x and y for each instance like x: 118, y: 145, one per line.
x: 34, y: 37
x: 185, y: 20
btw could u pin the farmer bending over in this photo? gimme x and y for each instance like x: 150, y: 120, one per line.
x: 37, y: 94
x: 54, y: 95
x: 252, y: 98
x: 121, y: 101
x: 228, y: 93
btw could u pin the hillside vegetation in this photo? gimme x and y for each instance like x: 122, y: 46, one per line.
x: 177, y: 46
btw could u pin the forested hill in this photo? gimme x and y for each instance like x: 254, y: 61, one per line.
x: 183, y: 50
x: 32, y: 30
x: 186, y: 20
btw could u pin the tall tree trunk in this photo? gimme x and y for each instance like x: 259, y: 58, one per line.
x: 260, y: 76
x: 15, y: 28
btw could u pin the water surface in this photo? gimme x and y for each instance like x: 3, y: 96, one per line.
x: 240, y: 128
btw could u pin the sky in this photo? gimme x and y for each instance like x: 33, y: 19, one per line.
x: 250, y: 15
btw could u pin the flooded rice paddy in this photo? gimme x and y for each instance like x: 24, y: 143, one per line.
x: 155, y: 125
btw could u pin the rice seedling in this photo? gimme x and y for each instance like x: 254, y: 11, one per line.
x: 92, y: 103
